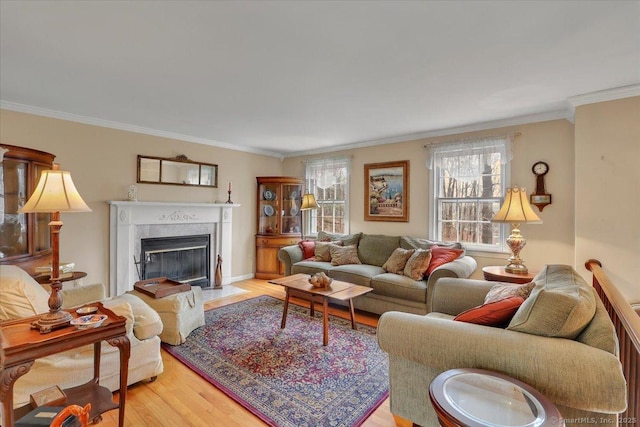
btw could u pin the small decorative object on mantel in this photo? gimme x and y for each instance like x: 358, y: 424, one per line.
x: 218, y: 275
x: 540, y: 198
x: 132, y: 194
x: 229, y: 202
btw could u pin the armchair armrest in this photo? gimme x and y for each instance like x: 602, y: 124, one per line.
x: 453, y: 296
x: 80, y: 295
x: 289, y: 255
x: 554, y: 366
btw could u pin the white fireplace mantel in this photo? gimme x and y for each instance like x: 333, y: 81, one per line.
x: 126, y: 218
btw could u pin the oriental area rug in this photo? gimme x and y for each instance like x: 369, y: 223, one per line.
x: 287, y: 377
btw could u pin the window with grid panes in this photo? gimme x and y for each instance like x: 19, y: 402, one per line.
x: 469, y: 181
x: 328, y: 180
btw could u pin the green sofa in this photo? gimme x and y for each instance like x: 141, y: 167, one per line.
x: 560, y: 341
x: 390, y: 291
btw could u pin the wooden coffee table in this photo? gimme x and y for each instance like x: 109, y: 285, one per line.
x: 343, y: 291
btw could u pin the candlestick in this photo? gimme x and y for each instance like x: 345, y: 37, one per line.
x: 229, y: 186
x: 229, y: 202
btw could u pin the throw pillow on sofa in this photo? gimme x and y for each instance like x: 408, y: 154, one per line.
x: 308, y: 248
x: 418, y: 264
x: 398, y: 260
x: 497, y: 313
x: 504, y: 290
x: 561, y: 304
x: 322, y: 250
x: 441, y: 256
x: 344, y: 255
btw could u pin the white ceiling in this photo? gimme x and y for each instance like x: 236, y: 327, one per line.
x: 287, y: 77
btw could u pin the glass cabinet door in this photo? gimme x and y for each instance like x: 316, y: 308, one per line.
x: 13, y: 193
x: 291, y: 202
x: 268, y: 215
x: 41, y: 231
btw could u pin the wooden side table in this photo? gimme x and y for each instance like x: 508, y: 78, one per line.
x: 498, y: 274
x: 45, y: 279
x: 477, y: 398
x: 20, y: 346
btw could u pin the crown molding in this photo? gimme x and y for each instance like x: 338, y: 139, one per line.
x: 566, y: 114
x: 29, y: 109
x: 605, y: 95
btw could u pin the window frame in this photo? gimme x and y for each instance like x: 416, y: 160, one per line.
x: 435, y: 181
x: 311, y: 216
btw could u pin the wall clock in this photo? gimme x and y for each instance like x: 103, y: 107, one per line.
x: 540, y: 198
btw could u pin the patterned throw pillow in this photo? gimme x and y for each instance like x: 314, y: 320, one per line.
x: 344, y: 255
x: 441, y: 256
x: 504, y: 290
x: 417, y: 264
x: 398, y: 260
x: 323, y: 250
x: 497, y: 313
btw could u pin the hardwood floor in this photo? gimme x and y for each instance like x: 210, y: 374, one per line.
x: 180, y: 397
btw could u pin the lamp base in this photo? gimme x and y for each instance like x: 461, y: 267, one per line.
x: 516, y: 269
x: 52, y: 320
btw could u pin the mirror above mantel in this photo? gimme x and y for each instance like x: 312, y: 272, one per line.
x: 177, y: 170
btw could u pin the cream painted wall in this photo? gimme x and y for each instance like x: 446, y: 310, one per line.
x: 102, y: 163
x: 552, y: 141
x: 608, y: 190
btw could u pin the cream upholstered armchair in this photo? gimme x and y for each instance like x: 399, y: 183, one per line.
x: 21, y: 296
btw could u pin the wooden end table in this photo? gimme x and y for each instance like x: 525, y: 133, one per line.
x: 498, y: 274
x: 343, y: 291
x: 477, y: 398
x: 20, y: 346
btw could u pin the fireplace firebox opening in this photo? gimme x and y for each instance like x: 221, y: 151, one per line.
x: 185, y: 259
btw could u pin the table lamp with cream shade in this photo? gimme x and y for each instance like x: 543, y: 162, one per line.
x: 308, y: 202
x: 54, y: 193
x: 516, y: 210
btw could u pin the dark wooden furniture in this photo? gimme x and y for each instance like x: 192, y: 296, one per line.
x: 45, y: 279
x: 20, y: 345
x: 279, y: 222
x: 343, y: 291
x: 24, y: 238
x: 477, y: 398
x: 627, y: 324
x: 498, y: 274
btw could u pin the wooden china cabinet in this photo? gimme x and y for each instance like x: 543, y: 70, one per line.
x: 24, y: 238
x: 279, y: 221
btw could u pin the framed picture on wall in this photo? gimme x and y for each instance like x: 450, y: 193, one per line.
x: 386, y: 195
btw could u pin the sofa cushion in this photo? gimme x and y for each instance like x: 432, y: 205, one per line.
x: 311, y: 267
x: 398, y: 260
x: 375, y: 249
x: 441, y: 256
x: 418, y: 264
x: 407, y: 242
x: 358, y: 274
x: 496, y: 313
x: 308, y: 248
x: 342, y: 255
x: 402, y: 287
x: 504, y: 290
x: 21, y: 296
x: 561, y: 304
x: 346, y: 239
x: 322, y: 250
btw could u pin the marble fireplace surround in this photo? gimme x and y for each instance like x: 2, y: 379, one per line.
x: 129, y: 222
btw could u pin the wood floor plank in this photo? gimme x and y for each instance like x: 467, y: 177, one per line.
x: 180, y: 397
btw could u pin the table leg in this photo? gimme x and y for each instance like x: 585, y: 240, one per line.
x: 325, y: 321
x: 284, y: 312
x: 312, y: 307
x: 124, y: 346
x: 353, y: 315
x: 8, y: 377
